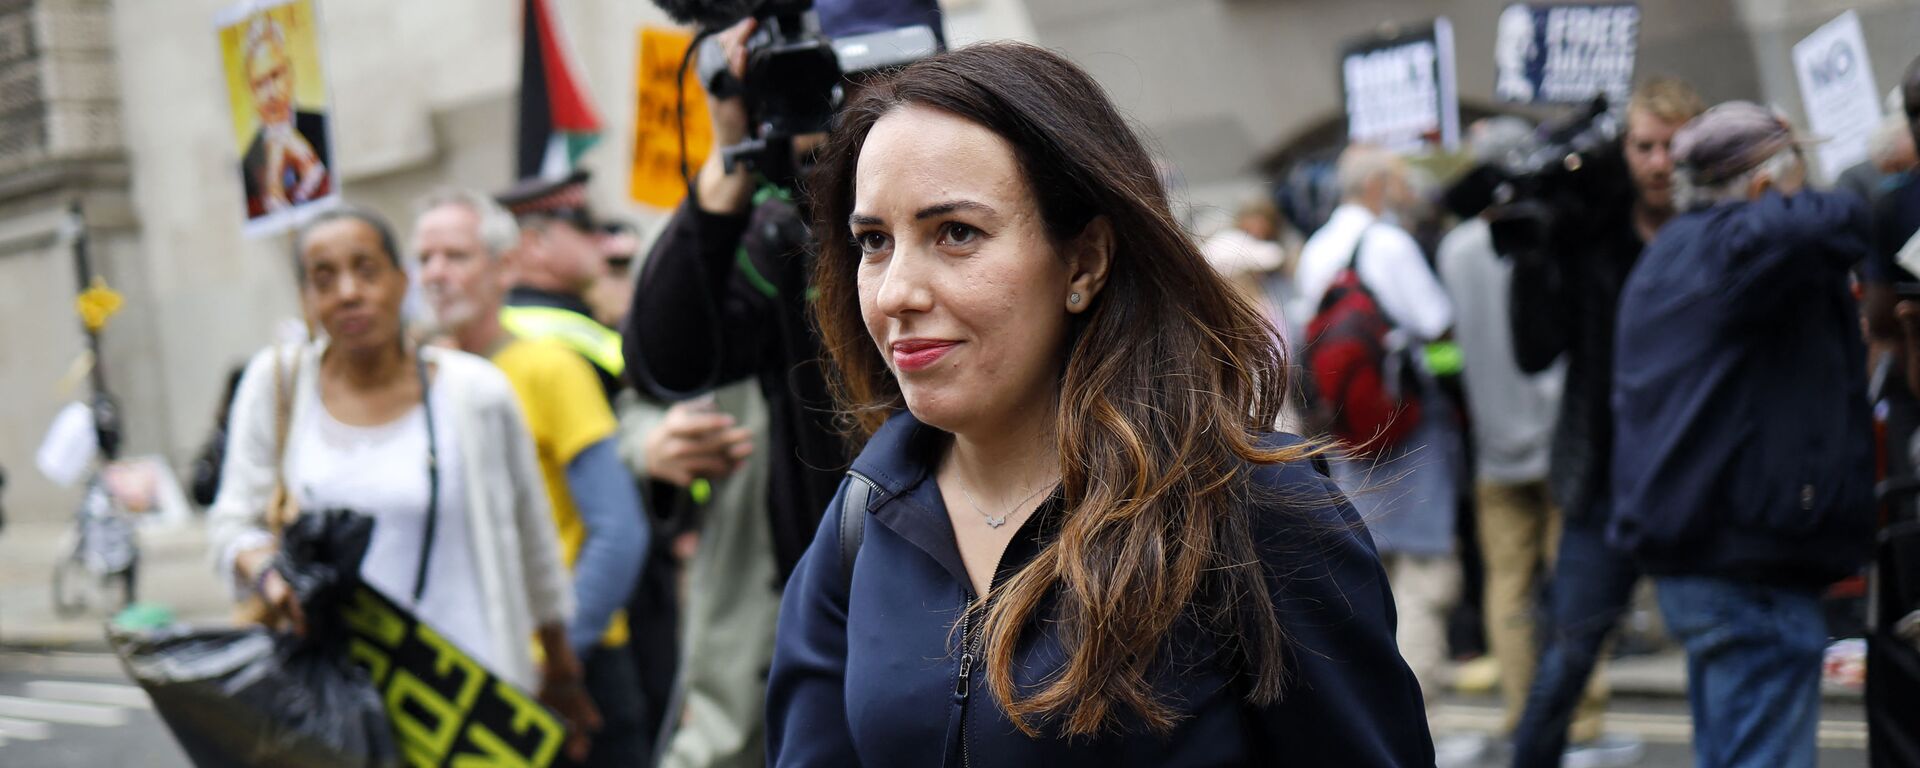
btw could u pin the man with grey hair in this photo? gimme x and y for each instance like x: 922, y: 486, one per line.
x: 1743, y: 459
x: 1373, y: 187
x: 1412, y: 521
x: 461, y: 239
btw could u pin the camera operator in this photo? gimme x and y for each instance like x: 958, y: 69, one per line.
x: 1565, y: 297
x: 699, y: 318
x: 724, y: 297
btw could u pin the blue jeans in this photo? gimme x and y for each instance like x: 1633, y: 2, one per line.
x: 1753, y: 669
x: 1590, y: 589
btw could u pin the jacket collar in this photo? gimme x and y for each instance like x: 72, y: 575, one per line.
x: 900, y: 454
x: 899, y: 461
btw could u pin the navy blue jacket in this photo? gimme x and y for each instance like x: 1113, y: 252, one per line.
x: 1744, y: 441
x: 874, y: 677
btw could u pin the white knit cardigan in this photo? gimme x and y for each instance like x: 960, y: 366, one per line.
x: 523, y: 581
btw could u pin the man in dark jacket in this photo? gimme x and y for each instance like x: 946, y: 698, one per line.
x: 1563, y: 303
x: 1742, y: 469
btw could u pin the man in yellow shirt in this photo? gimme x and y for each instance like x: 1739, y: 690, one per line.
x: 461, y: 239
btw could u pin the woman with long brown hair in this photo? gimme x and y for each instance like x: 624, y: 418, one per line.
x: 1081, y: 542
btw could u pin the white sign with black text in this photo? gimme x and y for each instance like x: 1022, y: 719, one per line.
x: 1836, y: 85
x: 1400, y: 90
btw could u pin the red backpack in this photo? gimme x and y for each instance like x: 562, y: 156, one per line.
x: 1362, y: 389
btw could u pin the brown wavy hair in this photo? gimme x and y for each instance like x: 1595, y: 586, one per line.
x: 1169, y: 385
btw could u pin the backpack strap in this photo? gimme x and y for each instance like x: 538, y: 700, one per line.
x: 1330, y: 297
x: 1353, y: 263
x: 853, y: 524
x: 1353, y: 259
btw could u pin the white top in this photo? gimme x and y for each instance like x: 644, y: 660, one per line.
x: 1513, y: 411
x: 518, y: 579
x: 1391, y: 266
x: 381, y: 472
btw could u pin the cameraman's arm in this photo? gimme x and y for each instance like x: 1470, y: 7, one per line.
x: 676, y: 340
x: 1538, y: 311
x: 675, y: 333
x: 719, y: 192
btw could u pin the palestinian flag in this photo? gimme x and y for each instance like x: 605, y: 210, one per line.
x: 557, y: 122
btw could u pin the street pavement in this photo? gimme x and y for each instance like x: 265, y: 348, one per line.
x: 174, y: 572
x: 65, y: 701
x: 1662, y: 723
x: 75, y: 710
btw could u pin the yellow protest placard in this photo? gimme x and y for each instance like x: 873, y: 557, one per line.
x: 658, y: 105
x: 445, y: 708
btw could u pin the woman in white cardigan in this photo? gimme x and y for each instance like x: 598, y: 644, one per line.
x: 429, y: 442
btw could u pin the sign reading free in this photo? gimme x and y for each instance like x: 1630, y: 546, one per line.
x: 1566, y: 54
x: 446, y: 709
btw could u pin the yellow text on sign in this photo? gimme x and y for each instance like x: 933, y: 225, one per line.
x: 658, y: 105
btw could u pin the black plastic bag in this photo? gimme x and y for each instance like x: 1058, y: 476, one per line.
x: 254, y: 697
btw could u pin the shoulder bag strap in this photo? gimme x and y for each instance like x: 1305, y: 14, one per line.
x: 853, y: 525
x: 1353, y: 259
x: 433, y: 480
x: 286, y: 382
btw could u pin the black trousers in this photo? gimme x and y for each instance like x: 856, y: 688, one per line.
x: 1893, y: 661
x: 653, y: 624
x: 614, y: 685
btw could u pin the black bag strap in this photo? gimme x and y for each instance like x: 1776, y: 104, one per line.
x: 1328, y: 298
x: 853, y: 524
x: 433, y: 481
x: 1353, y: 259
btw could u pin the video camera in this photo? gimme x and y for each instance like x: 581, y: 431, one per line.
x: 1571, y: 164
x: 794, y: 72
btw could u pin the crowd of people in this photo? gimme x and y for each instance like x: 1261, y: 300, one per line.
x: 964, y: 448
x: 1672, y: 386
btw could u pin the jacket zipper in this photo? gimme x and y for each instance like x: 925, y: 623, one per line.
x: 970, y: 647
x: 962, y: 688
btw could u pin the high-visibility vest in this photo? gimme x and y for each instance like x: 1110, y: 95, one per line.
x: 596, y: 342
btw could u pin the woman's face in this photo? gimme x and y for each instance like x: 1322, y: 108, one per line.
x: 961, y: 287
x: 353, y: 289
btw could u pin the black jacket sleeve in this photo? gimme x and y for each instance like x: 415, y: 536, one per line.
x: 693, y: 325
x: 1539, y: 310
x: 1350, y: 698
x: 807, y: 685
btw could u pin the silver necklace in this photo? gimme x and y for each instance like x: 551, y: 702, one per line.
x: 996, y: 522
